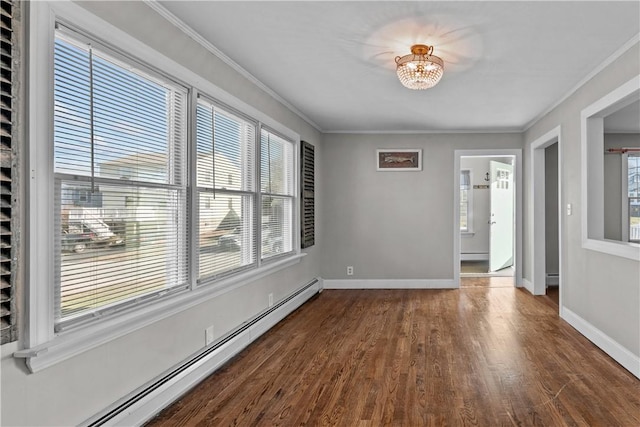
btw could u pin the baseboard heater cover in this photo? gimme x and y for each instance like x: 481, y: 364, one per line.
x: 142, y: 404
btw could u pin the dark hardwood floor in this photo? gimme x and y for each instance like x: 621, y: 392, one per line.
x: 486, y: 355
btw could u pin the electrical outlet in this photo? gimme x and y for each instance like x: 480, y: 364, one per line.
x: 569, y: 209
x: 208, y: 335
x: 270, y: 300
x: 350, y: 270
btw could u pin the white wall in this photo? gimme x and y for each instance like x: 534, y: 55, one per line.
x: 602, y: 289
x: 72, y: 391
x: 393, y: 225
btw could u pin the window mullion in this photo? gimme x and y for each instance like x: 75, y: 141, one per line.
x: 193, y: 261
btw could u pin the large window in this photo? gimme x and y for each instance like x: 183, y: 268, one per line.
x: 120, y: 187
x: 147, y: 191
x: 277, y: 191
x: 121, y: 204
x: 226, y: 191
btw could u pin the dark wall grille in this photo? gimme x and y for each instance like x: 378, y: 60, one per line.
x: 307, y: 202
x: 8, y: 319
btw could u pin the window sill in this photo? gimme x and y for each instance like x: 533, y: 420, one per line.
x: 612, y: 247
x: 76, y: 341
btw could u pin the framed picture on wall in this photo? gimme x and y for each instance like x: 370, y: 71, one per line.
x: 399, y: 159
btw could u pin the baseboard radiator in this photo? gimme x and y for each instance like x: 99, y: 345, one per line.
x: 145, y: 402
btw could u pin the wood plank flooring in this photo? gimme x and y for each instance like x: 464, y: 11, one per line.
x: 479, y: 356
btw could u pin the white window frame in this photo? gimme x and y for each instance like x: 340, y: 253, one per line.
x: 469, y: 231
x: 592, y: 162
x: 41, y: 346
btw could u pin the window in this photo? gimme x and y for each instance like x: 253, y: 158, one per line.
x: 633, y: 196
x: 597, y: 120
x: 226, y: 191
x: 133, y: 217
x: 120, y: 184
x: 466, y: 193
x: 277, y: 194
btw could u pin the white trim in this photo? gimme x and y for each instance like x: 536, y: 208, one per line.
x: 497, y: 152
x: 619, y: 353
x: 538, y: 209
x: 527, y: 285
x: 148, y: 406
x: 390, y: 284
x: 615, y: 55
x: 592, y: 165
x: 182, y: 26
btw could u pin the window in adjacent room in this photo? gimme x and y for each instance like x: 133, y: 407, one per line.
x: 466, y: 198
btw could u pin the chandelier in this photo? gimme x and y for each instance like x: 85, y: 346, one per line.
x: 420, y: 69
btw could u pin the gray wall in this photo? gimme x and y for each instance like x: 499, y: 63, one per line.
x: 76, y: 389
x: 551, y: 209
x: 393, y: 225
x: 602, y: 289
x: 613, y: 183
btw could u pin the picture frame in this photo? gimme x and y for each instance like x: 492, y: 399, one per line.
x: 399, y: 159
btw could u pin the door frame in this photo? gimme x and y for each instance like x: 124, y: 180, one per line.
x: 537, y: 286
x: 517, y: 164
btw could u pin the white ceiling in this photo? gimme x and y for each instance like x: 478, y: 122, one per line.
x: 506, y: 63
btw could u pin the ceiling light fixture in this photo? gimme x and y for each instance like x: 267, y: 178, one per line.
x: 420, y: 69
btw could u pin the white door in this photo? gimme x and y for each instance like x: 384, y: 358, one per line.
x: 502, y: 218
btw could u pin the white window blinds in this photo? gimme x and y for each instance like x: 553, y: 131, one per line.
x: 226, y: 191
x: 119, y: 169
x: 277, y: 194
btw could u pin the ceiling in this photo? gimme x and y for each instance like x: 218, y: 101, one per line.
x: 506, y: 63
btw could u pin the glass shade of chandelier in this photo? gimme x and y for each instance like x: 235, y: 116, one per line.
x: 420, y: 69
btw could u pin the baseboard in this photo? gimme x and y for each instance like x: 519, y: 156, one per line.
x: 528, y: 285
x: 390, y: 284
x: 144, y: 403
x: 552, y: 280
x: 474, y: 257
x: 620, y: 354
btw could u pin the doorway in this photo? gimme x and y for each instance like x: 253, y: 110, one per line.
x: 547, y: 209
x: 487, y: 212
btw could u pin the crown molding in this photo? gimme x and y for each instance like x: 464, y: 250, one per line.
x: 181, y: 25
x: 422, y: 132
